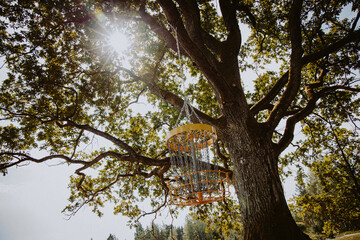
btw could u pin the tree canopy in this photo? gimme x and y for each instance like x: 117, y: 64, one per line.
x: 70, y: 97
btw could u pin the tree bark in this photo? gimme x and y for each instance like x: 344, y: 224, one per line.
x: 264, y: 211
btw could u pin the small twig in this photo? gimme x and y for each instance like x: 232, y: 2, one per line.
x: 155, y: 211
x: 77, y: 142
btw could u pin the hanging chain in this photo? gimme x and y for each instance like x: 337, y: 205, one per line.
x: 187, y: 108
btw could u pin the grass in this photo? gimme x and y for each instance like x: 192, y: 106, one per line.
x: 340, y: 236
x: 345, y: 236
x: 357, y: 237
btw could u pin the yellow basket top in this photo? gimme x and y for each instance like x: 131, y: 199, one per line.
x: 186, y: 134
x: 190, y: 127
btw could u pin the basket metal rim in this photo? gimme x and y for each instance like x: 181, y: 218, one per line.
x: 190, y: 127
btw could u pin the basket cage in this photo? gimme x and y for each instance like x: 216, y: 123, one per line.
x: 197, y: 179
x: 200, y: 187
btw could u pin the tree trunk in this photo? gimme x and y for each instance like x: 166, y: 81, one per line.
x: 264, y: 211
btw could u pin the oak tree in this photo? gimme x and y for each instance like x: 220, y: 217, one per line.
x: 66, y: 87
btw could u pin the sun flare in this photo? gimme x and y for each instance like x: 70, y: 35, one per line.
x: 119, y: 42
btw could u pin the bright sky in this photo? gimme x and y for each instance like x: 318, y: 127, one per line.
x: 31, y: 200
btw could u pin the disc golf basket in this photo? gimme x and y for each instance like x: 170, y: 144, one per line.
x: 197, y: 180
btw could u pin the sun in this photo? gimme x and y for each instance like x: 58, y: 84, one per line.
x: 119, y: 42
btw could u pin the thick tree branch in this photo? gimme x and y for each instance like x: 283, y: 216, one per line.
x: 242, y: 7
x: 351, y: 37
x: 266, y: 100
x: 222, y: 156
x: 203, y: 58
x: 291, y: 122
x: 22, y: 158
x: 356, y: 20
x: 262, y: 103
x: 303, y: 113
x: 160, y: 30
x: 192, y: 21
x: 97, y: 132
x: 198, y: 35
x: 211, y: 42
x: 231, y: 46
x: 295, y: 66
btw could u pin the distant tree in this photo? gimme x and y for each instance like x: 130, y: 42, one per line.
x: 196, y: 230
x: 139, y: 232
x: 112, y: 237
x: 306, y: 213
x: 180, y: 233
x: 156, y: 232
x: 173, y: 235
x: 192, y: 230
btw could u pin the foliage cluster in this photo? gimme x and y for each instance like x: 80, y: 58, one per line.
x: 328, y: 197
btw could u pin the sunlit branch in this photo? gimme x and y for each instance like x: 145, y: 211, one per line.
x: 22, y: 157
x: 97, y: 132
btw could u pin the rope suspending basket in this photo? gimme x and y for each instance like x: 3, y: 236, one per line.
x: 197, y: 180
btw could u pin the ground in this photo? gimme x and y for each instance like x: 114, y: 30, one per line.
x: 347, y: 236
